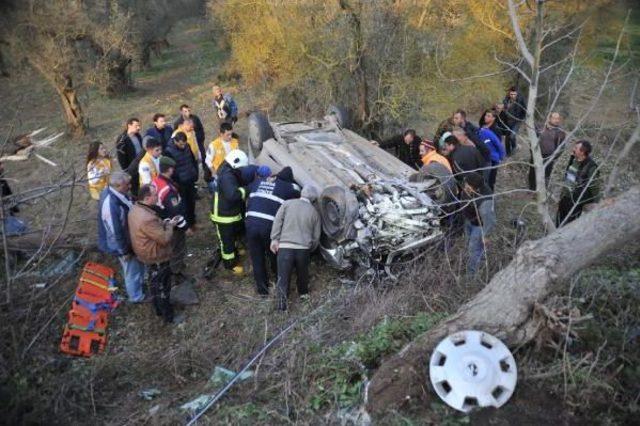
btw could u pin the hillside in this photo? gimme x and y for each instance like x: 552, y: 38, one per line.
x: 317, y: 372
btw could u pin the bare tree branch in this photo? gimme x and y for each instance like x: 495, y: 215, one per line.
x: 522, y: 45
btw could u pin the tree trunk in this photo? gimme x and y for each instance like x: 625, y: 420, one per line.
x: 72, y: 110
x: 358, y: 71
x: 542, y: 203
x: 118, y: 77
x: 504, y: 307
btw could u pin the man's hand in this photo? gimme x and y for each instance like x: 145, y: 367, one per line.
x: 275, y: 245
x: 174, y: 220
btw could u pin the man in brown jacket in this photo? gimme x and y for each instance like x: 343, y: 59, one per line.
x: 151, y: 241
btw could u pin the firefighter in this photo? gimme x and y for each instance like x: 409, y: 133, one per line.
x: 266, y: 195
x: 228, y: 204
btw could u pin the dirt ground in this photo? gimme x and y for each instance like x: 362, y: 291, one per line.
x: 307, y: 378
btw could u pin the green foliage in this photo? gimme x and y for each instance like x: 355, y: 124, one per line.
x: 244, y: 414
x: 340, y: 373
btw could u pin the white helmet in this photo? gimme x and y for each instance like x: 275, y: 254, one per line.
x: 237, y: 159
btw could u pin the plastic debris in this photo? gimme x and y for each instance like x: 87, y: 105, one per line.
x: 149, y: 394
x: 194, y: 406
x: 472, y: 369
x: 221, y: 376
x: 62, y: 266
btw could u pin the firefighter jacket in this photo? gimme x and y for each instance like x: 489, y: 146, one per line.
x: 217, y: 151
x: 228, y: 200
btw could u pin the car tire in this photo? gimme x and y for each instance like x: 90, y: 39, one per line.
x: 259, y: 131
x: 342, y: 115
x: 338, y: 209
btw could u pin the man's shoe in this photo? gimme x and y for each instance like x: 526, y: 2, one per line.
x: 145, y: 299
x: 237, y: 270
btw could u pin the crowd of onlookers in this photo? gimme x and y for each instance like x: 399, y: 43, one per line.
x: 466, y: 160
x: 147, y: 209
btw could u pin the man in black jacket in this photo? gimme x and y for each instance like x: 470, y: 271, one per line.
x: 407, y: 147
x: 185, y: 175
x: 228, y: 206
x: 129, y: 150
x: 463, y: 158
x: 198, y: 129
x: 516, y: 111
x: 581, y: 184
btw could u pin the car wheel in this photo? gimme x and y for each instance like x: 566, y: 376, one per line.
x: 339, y: 209
x: 259, y: 131
x: 342, y: 115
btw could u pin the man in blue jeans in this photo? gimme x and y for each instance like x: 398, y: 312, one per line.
x: 113, y: 233
x: 479, y: 218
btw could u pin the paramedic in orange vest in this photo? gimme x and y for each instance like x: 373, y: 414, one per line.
x: 149, y: 166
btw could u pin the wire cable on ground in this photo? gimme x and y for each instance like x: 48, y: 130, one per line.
x: 261, y: 352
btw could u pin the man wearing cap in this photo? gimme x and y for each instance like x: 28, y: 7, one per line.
x: 266, y: 195
x: 294, y: 235
x: 228, y: 205
x: 173, y: 206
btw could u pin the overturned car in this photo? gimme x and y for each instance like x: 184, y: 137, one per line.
x: 371, y: 213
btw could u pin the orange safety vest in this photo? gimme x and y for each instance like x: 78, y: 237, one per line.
x: 434, y: 156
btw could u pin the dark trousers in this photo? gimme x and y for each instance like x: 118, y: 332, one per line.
x: 532, y: 173
x: 188, y: 194
x: 493, y: 174
x: 228, y: 234
x: 288, y: 260
x: 564, y: 210
x: 511, y: 138
x: 258, y: 241
x: 179, y: 244
x: 160, y: 287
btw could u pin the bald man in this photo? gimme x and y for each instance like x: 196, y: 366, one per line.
x: 550, y: 139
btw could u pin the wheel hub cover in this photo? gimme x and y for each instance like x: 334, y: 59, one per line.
x: 472, y: 369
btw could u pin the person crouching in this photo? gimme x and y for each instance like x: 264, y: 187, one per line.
x: 294, y: 235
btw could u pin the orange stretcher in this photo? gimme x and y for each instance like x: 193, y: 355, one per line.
x: 82, y: 343
x: 80, y: 319
x: 85, y: 333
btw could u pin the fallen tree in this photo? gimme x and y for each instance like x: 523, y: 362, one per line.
x: 505, y: 306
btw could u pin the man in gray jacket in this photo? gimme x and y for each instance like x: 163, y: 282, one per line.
x: 294, y: 235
